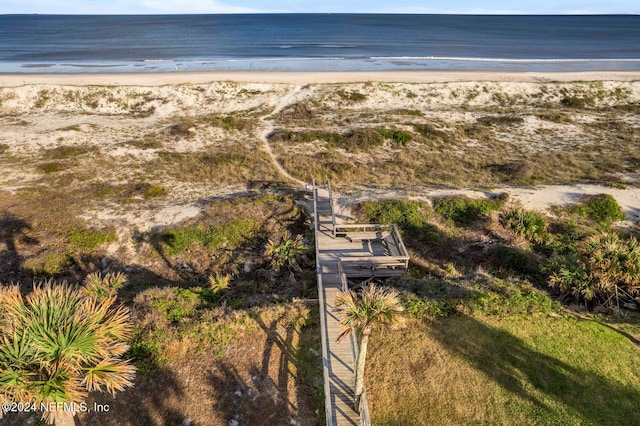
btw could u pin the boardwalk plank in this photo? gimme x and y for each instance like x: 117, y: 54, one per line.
x: 338, y: 360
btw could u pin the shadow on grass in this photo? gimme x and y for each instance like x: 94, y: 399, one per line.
x: 536, y: 377
x: 154, y: 400
x: 13, y: 231
x: 247, y: 398
x: 260, y: 392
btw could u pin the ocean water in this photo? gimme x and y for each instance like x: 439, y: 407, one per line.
x: 316, y: 42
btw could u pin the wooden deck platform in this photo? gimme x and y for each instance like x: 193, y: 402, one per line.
x: 341, y: 252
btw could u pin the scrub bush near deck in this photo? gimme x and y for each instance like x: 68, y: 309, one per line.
x: 465, y: 211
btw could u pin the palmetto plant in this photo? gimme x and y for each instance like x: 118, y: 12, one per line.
x: 606, y: 267
x: 360, y: 313
x: 285, y: 251
x: 59, y: 343
x: 524, y: 222
x: 104, y: 287
x: 219, y: 282
x: 614, y: 261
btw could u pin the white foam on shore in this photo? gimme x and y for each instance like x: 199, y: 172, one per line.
x: 333, y: 63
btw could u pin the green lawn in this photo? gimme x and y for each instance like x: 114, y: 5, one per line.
x: 534, y: 369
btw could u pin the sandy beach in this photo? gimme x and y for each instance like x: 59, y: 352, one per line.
x: 167, y: 78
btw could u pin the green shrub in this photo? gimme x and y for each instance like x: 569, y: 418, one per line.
x: 73, y: 127
x: 409, y: 112
x: 285, y: 251
x: 229, y: 235
x: 424, y: 308
x: 524, y: 222
x: 577, y: 102
x: 465, y: 211
x: 229, y: 122
x: 155, y: 191
x: 88, y: 239
x: 487, y: 296
x: 500, y: 297
x: 66, y: 151
x: 352, y: 96
x: 50, y: 264
x: 355, y: 140
x: 410, y: 216
x: 44, y: 95
x: 430, y: 132
x: 175, y: 308
x: 512, y: 259
x: 601, y: 208
x: 182, y: 128
x: 145, y: 351
x: 213, y: 335
x: 398, y: 137
x: 555, y: 117
x: 361, y: 140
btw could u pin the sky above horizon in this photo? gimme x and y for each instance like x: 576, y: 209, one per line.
x: 328, y: 6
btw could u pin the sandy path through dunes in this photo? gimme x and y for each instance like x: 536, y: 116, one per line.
x: 268, y: 127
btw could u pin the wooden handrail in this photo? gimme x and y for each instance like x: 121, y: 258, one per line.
x: 373, y: 259
x: 366, y: 225
x: 343, y: 277
x: 315, y: 205
x: 323, y: 320
x: 333, y: 212
x: 398, y: 238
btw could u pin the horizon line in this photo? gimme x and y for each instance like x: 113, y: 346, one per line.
x: 488, y: 13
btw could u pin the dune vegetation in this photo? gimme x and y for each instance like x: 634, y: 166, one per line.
x: 516, y: 312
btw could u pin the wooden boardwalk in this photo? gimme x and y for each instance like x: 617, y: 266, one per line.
x: 361, y: 251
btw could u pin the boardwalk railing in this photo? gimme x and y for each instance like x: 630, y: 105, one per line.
x: 323, y: 320
x: 391, y: 229
x: 363, y: 409
x: 333, y: 212
x: 352, y: 250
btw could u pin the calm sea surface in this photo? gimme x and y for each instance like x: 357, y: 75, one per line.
x: 46, y: 43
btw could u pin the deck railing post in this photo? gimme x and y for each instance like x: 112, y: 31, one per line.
x: 333, y: 213
x: 315, y: 206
